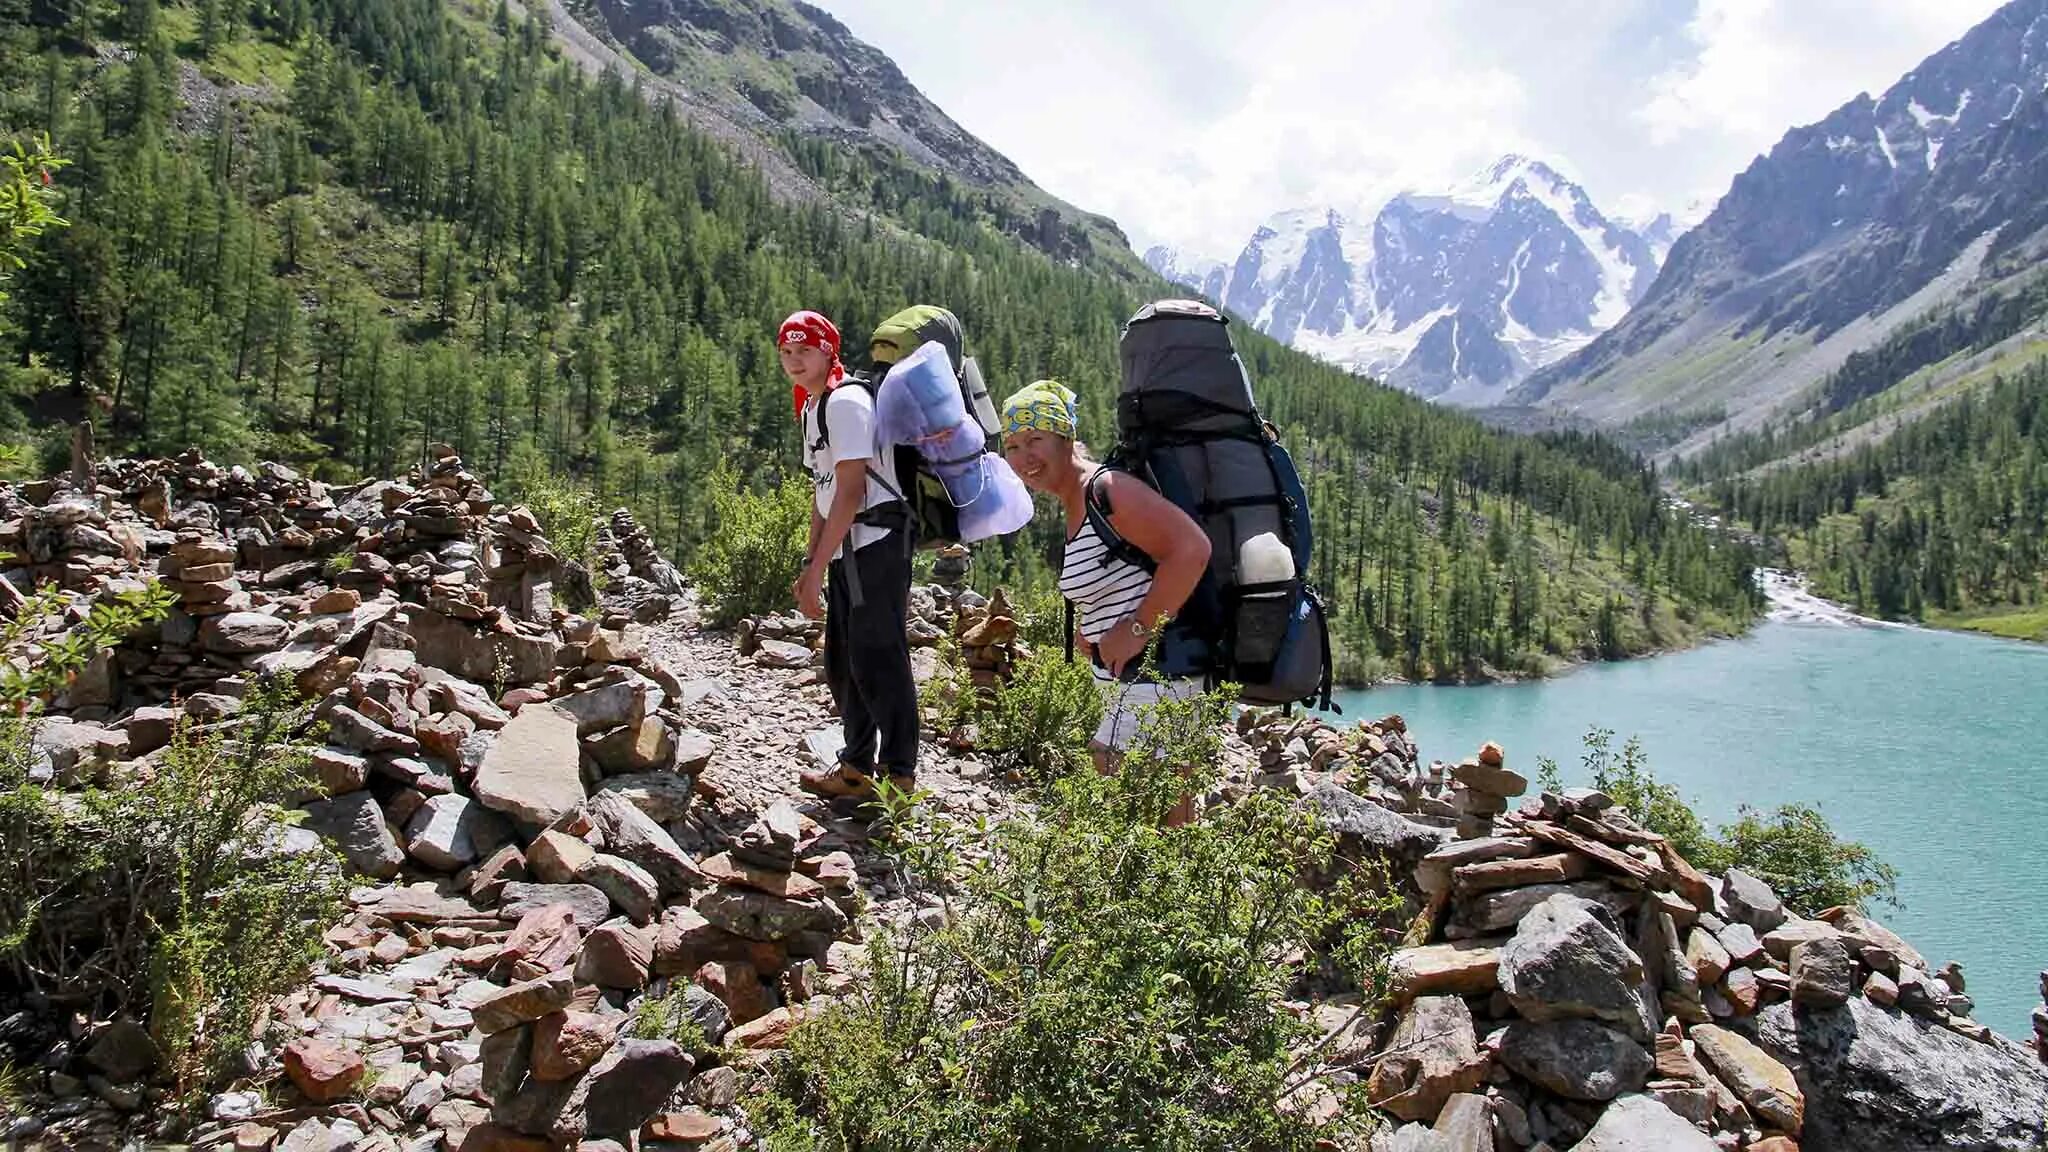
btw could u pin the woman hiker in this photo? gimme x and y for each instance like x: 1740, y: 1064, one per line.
x: 1119, y: 604
x: 859, y: 552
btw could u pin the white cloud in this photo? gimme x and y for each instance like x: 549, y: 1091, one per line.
x: 1761, y: 66
x: 1191, y: 122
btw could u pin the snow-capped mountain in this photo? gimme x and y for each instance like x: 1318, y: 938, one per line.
x: 1454, y: 294
x: 1849, y: 227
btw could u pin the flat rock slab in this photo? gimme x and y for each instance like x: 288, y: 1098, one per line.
x: 1763, y: 1083
x: 419, y: 904
x: 533, y: 771
x: 588, y: 905
x: 1463, y: 968
x: 366, y: 991
x: 723, y: 869
x: 1640, y: 1124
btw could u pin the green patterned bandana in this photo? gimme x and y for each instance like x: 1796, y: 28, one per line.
x: 1043, y: 405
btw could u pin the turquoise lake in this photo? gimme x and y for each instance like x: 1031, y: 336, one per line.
x: 1927, y: 746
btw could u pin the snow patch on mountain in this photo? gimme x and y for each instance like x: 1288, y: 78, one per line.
x: 1455, y: 293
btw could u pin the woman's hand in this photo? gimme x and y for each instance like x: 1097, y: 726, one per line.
x: 1124, y: 642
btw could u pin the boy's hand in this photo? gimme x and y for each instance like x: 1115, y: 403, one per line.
x: 809, y: 590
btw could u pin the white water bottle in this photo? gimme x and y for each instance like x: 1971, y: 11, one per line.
x: 1263, y: 559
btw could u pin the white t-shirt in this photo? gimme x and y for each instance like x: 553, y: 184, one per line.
x: 850, y: 411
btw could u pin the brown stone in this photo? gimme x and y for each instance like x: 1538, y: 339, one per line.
x: 443, y: 735
x: 322, y: 1070
x: 770, y: 1031
x: 527, y: 1000
x: 1744, y: 991
x: 690, y: 1126
x: 1433, y: 1055
x: 617, y: 954
x: 555, y: 857
x: 567, y: 1043
x: 533, y: 770
x: 738, y: 985
x: 336, y: 600
x: 684, y: 941
x: 1555, y: 869
x: 1881, y: 990
x: 502, y: 867
x: 1607, y: 856
x: 1765, y: 1085
x: 1461, y: 968
x: 723, y: 869
x: 546, y: 938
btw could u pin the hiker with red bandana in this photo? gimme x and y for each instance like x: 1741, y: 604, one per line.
x: 856, y: 567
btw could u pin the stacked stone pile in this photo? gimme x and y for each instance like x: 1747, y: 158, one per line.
x: 520, y: 778
x: 1574, y: 983
x: 637, y: 574
x: 560, y: 1016
x: 1301, y: 752
x: 984, y: 631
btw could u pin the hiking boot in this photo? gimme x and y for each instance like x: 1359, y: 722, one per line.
x: 842, y: 781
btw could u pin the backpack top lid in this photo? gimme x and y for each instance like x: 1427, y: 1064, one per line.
x: 1181, y: 372
x: 901, y: 334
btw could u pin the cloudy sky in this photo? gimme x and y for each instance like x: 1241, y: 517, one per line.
x: 1190, y: 121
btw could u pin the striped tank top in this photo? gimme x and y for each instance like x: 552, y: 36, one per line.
x: 1103, y: 587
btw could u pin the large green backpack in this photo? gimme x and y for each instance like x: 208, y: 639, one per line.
x: 923, y: 505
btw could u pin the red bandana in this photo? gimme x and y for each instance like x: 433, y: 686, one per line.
x: 812, y: 329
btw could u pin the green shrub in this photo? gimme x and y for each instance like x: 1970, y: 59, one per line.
x: 568, y: 515
x: 665, y: 1017
x: 168, y: 896
x: 752, y: 559
x: 1794, y: 849
x: 1097, y: 981
x: 1039, y: 722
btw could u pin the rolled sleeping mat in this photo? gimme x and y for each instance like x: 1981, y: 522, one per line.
x: 919, y: 399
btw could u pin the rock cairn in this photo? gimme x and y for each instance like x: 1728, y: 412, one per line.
x: 1572, y: 982
x: 637, y: 575
x: 544, y: 903
x: 985, y: 631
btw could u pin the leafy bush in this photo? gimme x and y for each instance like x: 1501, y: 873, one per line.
x: 665, y: 1017
x: 748, y: 565
x: 1039, y: 723
x: 171, y: 895
x: 568, y: 515
x: 1097, y: 981
x: 1794, y: 849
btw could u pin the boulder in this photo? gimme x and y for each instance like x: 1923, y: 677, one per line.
x: 617, y: 954
x: 1741, y: 943
x: 1365, y: 830
x: 1874, y: 1078
x: 632, y: 834
x: 1708, y: 959
x: 759, y: 916
x: 707, y: 1011
x: 555, y: 857
x: 1466, y: 1123
x: 521, y: 1003
x: 624, y: 700
x: 1433, y: 1055
x: 590, y: 906
x: 451, y: 831
x: 631, y: 889
x: 532, y: 771
x: 1780, y: 941
x: 663, y: 797
x: 546, y: 938
x: 567, y: 1043
x: 1462, y: 968
x: 323, y: 1071
x: 1823, y: 975
x: 1860, y: 932
x: 1764, y: 1084
x: 1577, y: 1059
x: 1750, y: 901
x: 640, y: 746
x: 738, y: 986
x: 1641, y: 1124
x: 631, y: 1084
x: 355, y: 824
x: 243, y: 633
x: 685, y: 941
x: 358, y: 733
x: 453, y: 646
x: 1567, y: 961
x: 1501, y: 911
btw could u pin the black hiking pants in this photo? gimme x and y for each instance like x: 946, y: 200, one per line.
x: 867, y: 656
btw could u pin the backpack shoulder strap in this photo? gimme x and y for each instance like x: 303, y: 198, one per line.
x: 854, y: 380
x: 1095, y: 503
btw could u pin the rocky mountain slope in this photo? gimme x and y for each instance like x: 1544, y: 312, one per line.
x: 775, y: 68
x: 1454, y: 294
x: 1848, y: 228
x: 568, y: 824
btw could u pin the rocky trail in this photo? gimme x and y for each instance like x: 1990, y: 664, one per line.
x: 575, y: 822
